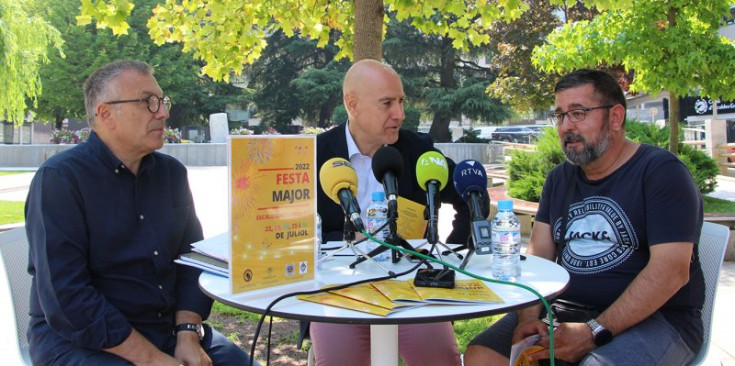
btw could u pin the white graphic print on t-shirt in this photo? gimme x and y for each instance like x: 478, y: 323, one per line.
x: 600, y: 236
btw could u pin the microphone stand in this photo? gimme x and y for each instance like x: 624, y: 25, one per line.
x: 348, y: 235
x: 434, y: 241
x: 470, y: 251
x: 393, y: 238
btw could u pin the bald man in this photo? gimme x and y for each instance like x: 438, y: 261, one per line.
x: 373, y: 97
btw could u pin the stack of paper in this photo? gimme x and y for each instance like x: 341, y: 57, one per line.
x: 385, y: 297
x: 209, y: 255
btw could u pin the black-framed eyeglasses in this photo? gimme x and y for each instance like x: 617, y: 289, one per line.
x: 575, y: 115
x: 154, y: 102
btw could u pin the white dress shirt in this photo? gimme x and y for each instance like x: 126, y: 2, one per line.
x: 366, y: 182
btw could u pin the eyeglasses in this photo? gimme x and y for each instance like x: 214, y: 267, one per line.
x: 574, y: 115
x: 154, y: 102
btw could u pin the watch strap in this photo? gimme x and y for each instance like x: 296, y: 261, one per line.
x: 190, y: 327
x: 600, y: 334
x: 595, y: 327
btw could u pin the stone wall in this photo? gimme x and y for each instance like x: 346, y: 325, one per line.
x: 214, y: 154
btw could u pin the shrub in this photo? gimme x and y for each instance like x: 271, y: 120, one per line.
x: 527, y: 170
x: 703, y: 168
x: 339, y: 115
x: 171, y: 135
x: 241, y: 131
x: 312, y: 130
x: 270, y: 131
x: 64, y: 136
x: 472, y: 136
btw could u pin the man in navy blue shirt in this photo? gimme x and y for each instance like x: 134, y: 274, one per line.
x: 105, y: 221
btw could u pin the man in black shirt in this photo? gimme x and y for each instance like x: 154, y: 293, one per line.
x: 624, y: 220
x: 105, y: 220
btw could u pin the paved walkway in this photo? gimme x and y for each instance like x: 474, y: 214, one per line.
x: 209, y: 187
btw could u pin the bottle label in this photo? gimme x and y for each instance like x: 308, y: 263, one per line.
x: 506, y: 237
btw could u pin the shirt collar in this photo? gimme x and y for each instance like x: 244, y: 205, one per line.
x: 110, y: 160
x: 352, y: 149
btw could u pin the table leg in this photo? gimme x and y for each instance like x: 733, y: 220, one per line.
x: 384, y: 345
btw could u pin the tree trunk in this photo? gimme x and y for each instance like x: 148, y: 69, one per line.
x: 368, y: 41
x: 439, y: 130
x: 674, y: 124
x: 440, y: 125
x: 58, y: 121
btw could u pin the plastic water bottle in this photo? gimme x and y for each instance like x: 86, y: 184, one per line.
x: 377, y: 215
x: 506, y: 243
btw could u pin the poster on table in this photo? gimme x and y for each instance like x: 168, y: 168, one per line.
x: 272, y: 180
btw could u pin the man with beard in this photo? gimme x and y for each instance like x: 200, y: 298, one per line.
x: 624, y: 220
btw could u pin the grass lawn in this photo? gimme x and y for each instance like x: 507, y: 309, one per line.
x: 11, y: 212
x: 716, y: 205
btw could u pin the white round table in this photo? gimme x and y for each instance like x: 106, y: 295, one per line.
x: 544, y: 276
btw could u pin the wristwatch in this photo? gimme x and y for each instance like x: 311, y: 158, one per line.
x: 600, y: 334
x: 190, y: 327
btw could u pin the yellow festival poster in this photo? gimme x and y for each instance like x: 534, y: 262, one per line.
x: 272, y: 204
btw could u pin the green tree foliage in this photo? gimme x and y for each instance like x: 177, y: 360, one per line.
x: 294, y: 78
x: 227, y: 34
x: 322, y: 88
x: 519, y: 83
x: 195, y: 96
x: 24, y: 38
x: 670, y: 45
x: 527, y: 170
x: 441, y: 80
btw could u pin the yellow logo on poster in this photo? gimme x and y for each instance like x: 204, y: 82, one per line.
x: 272, y: 205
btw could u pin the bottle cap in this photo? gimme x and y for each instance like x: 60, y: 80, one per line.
x: 505, y: 205
x: 378, y: 196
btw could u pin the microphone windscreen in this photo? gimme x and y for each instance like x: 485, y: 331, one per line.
x: 335, y: 175
x: 469, y: 176
x: 432, y: 165
x: 387, y: 158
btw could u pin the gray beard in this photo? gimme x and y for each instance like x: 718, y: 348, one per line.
x: 590, y: 151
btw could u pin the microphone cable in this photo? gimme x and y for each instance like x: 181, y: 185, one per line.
x: 361, y: 240
x: 445, y: 264
x: 312, y: 292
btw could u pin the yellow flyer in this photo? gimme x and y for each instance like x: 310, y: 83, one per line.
x: 411, y: 223
x: 272, y: 204
x: 398, y: 290
x: 464, y: 291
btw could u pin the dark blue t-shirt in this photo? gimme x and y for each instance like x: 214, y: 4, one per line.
x: 612, y: 222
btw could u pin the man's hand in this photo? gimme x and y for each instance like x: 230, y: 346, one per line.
x: 139, y: 351
x: 572, y: 341
x: 530, y: 328
x: 189, y: 350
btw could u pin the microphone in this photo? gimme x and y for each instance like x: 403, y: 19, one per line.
x: 432, y: 173
x: 339, y: 181
x: 470, y: 181
x: 387, y: 167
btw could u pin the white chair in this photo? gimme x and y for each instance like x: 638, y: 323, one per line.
x: 712, y: 244
x: 15, y: 291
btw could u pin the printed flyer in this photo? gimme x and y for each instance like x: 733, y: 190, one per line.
x: 272, y: 210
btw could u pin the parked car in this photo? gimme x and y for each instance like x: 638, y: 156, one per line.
x: 538, y: 128
x: 485, y: 132
x: 521, y: 134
